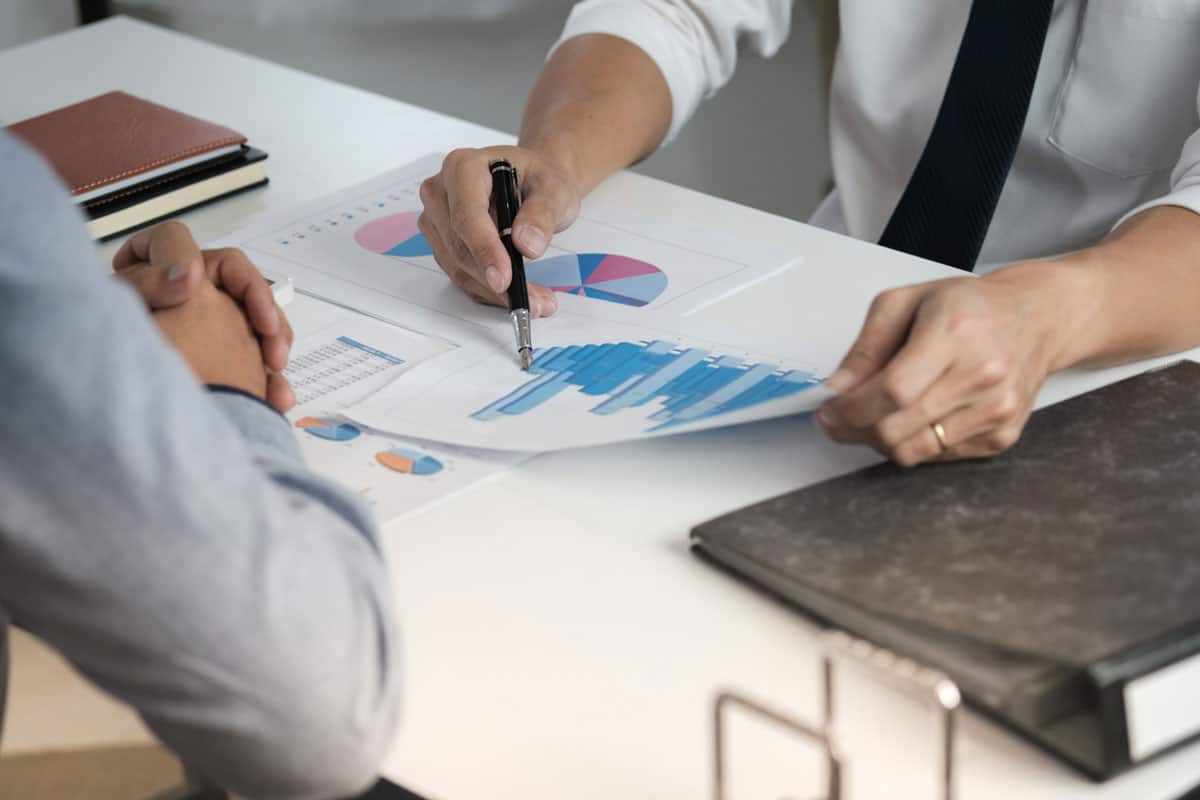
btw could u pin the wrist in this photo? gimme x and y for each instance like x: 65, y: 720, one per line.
x: 1065, y: 295
x: 560, y: 155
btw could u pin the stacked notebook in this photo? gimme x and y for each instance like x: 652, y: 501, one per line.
x: 129, y: 162
x: 1058, y: 584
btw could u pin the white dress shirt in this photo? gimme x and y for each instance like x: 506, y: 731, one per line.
x: 1113, y: 124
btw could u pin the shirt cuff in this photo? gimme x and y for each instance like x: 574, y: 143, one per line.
x: 642, y: 26
x: 266, y: 430
x: 1187, y: 196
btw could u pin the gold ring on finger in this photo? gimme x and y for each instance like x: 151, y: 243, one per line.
x: 940, y: 433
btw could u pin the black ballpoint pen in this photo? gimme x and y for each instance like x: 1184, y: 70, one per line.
x: 506, y: 195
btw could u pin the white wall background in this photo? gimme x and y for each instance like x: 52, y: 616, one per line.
x: 761, y: 142
x: 25, y: 20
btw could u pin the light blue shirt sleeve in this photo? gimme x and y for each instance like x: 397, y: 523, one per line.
x: 168, y: 539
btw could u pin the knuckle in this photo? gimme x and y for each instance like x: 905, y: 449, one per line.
x: 887, y: 299
x: 907, y: 455
x: 428, y: 190
x: 837, y: 433
x: 1007, y: 405
x: 1002, y: 439
x: 862, y: 354
x: 895, y: 389
x: 991, y: 371
x: 233, y: 254
x: 883, y: 300
x: 890, y: 433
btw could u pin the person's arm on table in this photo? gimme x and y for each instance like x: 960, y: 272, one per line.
x: 625, y: 76
x: 167, y: 539
x: 971, y: 354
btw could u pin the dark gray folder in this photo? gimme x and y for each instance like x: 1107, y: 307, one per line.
x: 1042, y: 580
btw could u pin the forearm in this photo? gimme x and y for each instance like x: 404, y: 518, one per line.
x: 599, y: 105
x: 169, y: 541
x: 1134, y: 295
x: 176, y: 550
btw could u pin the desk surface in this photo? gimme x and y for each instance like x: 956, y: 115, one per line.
x: 561, y: 641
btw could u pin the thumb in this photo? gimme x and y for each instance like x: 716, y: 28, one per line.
x: 547, y: 209
x: 163, y: 286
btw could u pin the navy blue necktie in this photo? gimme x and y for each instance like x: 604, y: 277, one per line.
x: 947, y: 207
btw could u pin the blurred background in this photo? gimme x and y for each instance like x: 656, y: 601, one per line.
x: 762, y: 141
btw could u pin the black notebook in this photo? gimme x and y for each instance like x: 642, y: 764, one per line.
x: 1057, y: 583
x: 174, y: 192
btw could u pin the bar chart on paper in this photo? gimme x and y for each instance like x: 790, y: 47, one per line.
x: 685, y: 384
x: 580, y: 392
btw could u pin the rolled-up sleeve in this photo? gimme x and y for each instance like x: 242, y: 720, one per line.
x: 694, y: 42
x: 1185, y: 178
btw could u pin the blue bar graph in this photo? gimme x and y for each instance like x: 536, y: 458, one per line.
x: 692, y: 384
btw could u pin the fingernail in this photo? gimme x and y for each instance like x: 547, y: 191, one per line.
x: 533, y: 240
x: 840, y: 380
x: 492, y: 275
x: 177, y: 272
x: 827, y: 418
x: 553, y: 302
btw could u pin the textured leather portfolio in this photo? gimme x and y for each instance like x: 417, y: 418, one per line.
x: 117, y: 138
x: 1057, y: 583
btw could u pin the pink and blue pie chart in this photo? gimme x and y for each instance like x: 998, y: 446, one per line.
x: 601, y: 276
x: 394, y: 235
x: 328, y: 429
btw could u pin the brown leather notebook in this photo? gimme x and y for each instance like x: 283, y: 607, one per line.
x: 116, y: 140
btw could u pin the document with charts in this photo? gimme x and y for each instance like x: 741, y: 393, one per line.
x: 368, y: 235
x: 348, y: 359
x: 606, y: 368
x: 592, y: 382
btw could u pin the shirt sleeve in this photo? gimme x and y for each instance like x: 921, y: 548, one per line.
x: 1185, y: 178
x: 168, y: 540
x: 694, y: 42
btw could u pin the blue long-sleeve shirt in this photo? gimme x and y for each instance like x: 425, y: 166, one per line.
x: 167, y: 539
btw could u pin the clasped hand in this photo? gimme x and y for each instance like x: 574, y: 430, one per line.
x: 214, y: 308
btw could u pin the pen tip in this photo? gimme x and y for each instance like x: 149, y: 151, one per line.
x: 526, y: 359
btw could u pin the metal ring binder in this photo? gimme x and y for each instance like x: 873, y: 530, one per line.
x: 902, y: 672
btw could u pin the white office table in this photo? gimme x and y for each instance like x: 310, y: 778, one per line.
x: 560, y: 639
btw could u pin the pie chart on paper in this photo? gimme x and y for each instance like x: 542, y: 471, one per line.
x: 602, y: 276
x: 408, y: 462
x: 328, y: 429
x: 394, y: 235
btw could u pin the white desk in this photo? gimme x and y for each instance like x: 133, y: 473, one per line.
x: 561, y: 642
